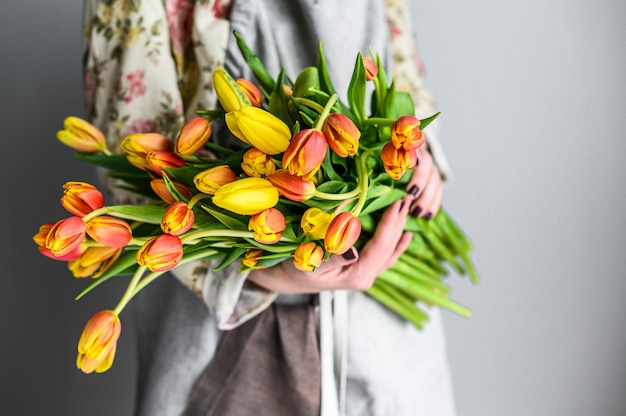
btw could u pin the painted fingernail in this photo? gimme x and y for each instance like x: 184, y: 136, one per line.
x: 428, y: 216
x: 413, y: 190
x: 401, y: 206
x: 349, y: 255
x: 416, y: 212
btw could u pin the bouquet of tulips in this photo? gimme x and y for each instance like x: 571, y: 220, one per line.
x: 309, y: 176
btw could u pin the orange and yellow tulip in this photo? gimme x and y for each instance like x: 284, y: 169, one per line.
x: 94, y: 261
x: 251, y: 258
x: 268, y: 226
x: 257, y: 164
x: 161, y: 253
x: 40, y: 240
x: 192, y: 136
x: 65, y: 237
x: 138, y: 145
x: 344, y: 230
x: 81, y: 135
x: 98, y: 342
x: 406, y: 133
x: 305, y: 153
x: 252, y: 92
x: 291, y: 186
x: 109, y: 231
x: 341, y: 134
x: 397, y: 161
x: 210, y: 180
x: 160, y: 189
x: 177, y: 219
x: 308, y: 256
x: 229, y: 94
x: 80, y: 198
x: 157, y: 161
x: 371, y: 69
x: 246, y: 196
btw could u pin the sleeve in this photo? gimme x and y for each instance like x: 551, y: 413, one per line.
x: 147, y: 66
x: 408, y: 71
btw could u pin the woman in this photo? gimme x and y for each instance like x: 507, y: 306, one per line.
x: 239, y: 344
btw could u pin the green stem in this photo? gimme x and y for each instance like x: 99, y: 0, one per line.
x: 130, y: 290
x: 363, y: 183
x: 196, y: 235
x: 378, y: 120
x: 337, y: 197
x: 310, y: 103
x: 322, y: 118
x: 95, y: 213
x: 196, y: 198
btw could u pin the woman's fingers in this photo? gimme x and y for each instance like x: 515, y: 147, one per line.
x: 430, y: 187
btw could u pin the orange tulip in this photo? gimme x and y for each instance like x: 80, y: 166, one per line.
x: 308, y: 256
x: 97, y: 344
x: 252, y: 92
x: 397, y: 161
x: 371, y: 69
x: 40, y: 240
x: 159, y: 188
x: 268, y: 226
x: 257, y: 164
x: 246, y: 196
x: 193, y: 135
x: 157, y: 161
x: 210, y: 180
x: 315, y: 222
x: 341, y: 134
x: 291, y: 186
x: 343, y: 231
x: 94, y: 261
x: 305, y: 153
x: 161, y: 253
x: 65, y: 237
x: 406, y: 134
x: 251, y: 258
x: 81, y: 135
x: 137, y: 146
x: 178, y: 218
x: 110, y: 231
x: 81, y: 198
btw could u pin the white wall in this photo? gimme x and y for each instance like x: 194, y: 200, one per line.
x: 533, y: 98
x: 533, y: 101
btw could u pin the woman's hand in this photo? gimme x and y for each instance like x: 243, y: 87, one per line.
x: 426, y: 185
x: 351, y: 270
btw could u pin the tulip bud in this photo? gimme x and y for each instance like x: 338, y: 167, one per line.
x: 161, y: 253
x: 210, y: 180
x: 343, y: 231
x: 40, y: 240
x: 252, y: 92
x: 159, y: 188
x: 251, y: 258
x: 341, y: 134
x: 305, y: 153
x: 137, y: 146
x: 246, y: 196
x: 308, y: 256
x: 80, y: 198
x: 371, y: 69
x: 406, y: 134
x: 157, y: 161
x: 81, y: 135
x: 94, y: 261
x: 315, y: 222
x: 177, y: 219
x: 229, y: 94
x: 257, y: 164
x: 110, y: 231
x: 192, y: 136
x: 260, y: 129
x: 268, y: 226
x: 65, y: 237
x: 291, y: 186
x: 98, y: 342
x: 397, y: 161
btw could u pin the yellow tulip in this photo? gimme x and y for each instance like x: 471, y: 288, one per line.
x: 246, y: 196
x: 81, y: 135
x: 308, y: 256
x: 229, y: 94
x: 97, y: 344
x: 315, y: 222
x: 260, y: 129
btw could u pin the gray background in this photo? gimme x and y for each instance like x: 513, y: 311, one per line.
x: 533, y: 97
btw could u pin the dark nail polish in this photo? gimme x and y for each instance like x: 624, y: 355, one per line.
x: 416, y: 212
x: 401, y: 206
x: 349, y: 255
x: 428, y: 216
x: 413, y: 190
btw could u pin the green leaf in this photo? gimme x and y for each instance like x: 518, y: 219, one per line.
x: 426, y: 121
x: 278, y: 101
x: 230, y: 257
x: 147, y: 213
x: 383, y: 200
x: 356, y: 90
x: 125, y: 265
x: 117, y: 163
x: 307, y: 81
x: 229, y: 221
x: 326, y: 84
x: 265, y: 80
